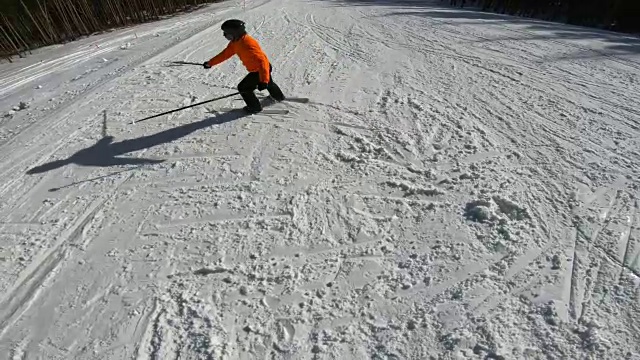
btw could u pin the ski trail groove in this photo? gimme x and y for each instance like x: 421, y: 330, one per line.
x: 629, y: 242
x: 32, y: 279
x: 34, y: 276
x: 449, y: 187
x: 575, y: 276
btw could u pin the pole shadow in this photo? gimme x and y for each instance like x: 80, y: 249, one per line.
x: 106, y: 153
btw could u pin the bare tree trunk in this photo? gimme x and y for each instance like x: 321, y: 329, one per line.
x: 65, y: 22
x: 88, y: 15
x: 132, y: 13
x: 44, y: 22
x: 19, y: 38
x: 48, y: 21
x: 118, y: 5
x: 44, y: 37
x: 73, y: 26
x: 6, y: 51
x: 82, y: 27
x: 155, y: 8
x: 113, y: 14
x: 17, y: 51
x: 140, y: 10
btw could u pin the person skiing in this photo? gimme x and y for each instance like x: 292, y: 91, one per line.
x: 254, y: 59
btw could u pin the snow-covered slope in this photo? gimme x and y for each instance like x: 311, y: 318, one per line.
x: 461, y: 185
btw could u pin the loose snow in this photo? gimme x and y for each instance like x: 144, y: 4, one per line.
x: 461, y: 185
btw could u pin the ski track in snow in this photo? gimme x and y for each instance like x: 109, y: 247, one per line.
x: 461, y: 185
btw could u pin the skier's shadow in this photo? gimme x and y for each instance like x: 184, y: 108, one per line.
x: 107, y: 153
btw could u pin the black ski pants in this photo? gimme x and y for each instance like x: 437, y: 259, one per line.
x: 250, y: 83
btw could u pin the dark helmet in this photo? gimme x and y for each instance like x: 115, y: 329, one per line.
x: 234, y: 25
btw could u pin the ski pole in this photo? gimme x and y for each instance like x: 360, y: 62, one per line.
x: 186, y: 107
x: 186, y: 63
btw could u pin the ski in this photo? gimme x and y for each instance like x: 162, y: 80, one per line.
x: 302, y: 100
x: 263, y: 112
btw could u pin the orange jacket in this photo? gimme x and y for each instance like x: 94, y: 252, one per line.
x: 249, y: 52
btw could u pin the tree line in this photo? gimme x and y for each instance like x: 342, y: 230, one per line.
x: 28, y: 24
x: 616, y: 15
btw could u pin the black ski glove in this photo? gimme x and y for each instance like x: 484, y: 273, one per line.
x: 262, y: 86
x: 206, y: 65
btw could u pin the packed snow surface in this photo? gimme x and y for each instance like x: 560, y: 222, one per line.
x: 461, y: 185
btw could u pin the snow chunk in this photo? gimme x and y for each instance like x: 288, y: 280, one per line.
x: 478, y: 213
x: 23, y: 105
x: 207, y: 271
x: 556, y: 262
x: 486, y: 209
x: 410, y: 189
x: 479, y: 210
x: 511, y: 209
x: 346, y: 157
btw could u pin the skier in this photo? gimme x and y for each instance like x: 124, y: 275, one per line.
x: 253, y: 58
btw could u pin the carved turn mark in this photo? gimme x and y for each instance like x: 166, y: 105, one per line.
x: 157, y: 337
x: 259, y: 157
x: 590, y: 286
x: 285, y: 333
x: 631, y: 258
x: 22, y: 295
x: 147, y: 332
x: 573, y: 284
